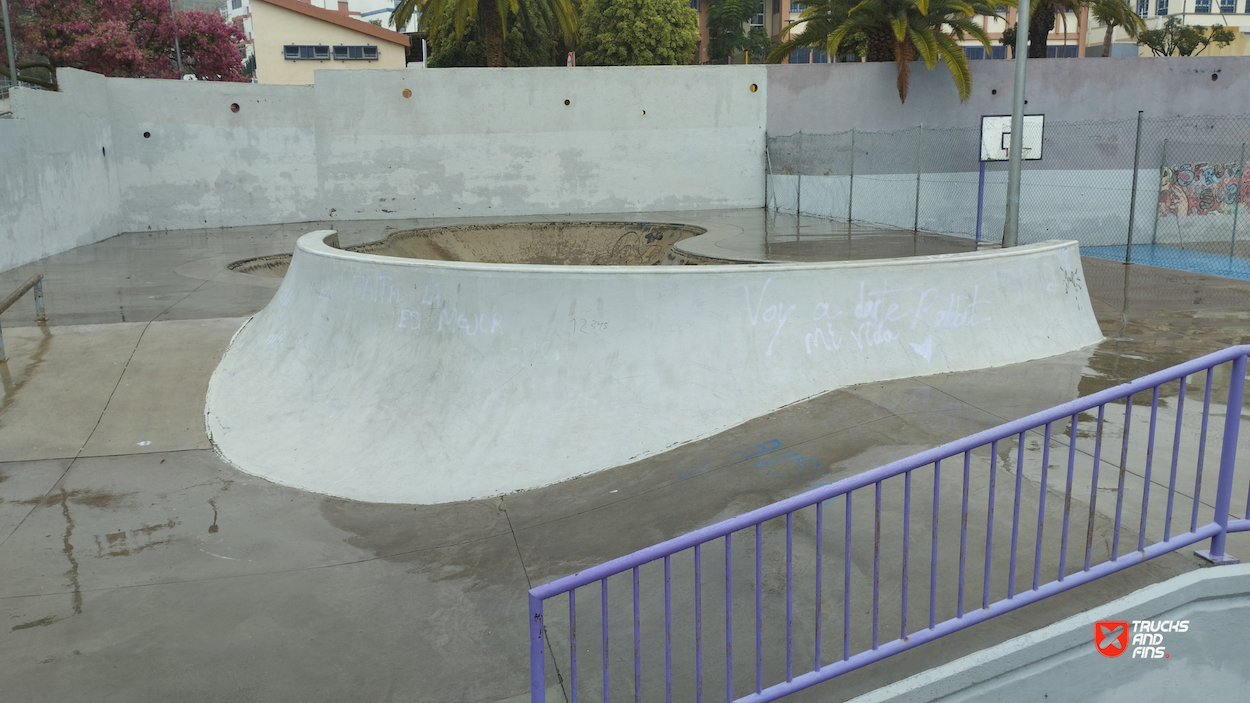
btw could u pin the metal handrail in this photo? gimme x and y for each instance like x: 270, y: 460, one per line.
x: 1216, y: 531
x: 35, y: 282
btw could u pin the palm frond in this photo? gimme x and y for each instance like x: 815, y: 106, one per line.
x: 957, y: 63
x: 926, y: 45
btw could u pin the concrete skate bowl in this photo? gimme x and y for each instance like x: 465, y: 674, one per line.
x: 411, y: 380
x: 548, y: 243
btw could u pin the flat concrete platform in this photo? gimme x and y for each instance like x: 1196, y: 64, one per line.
x: 136, y: 566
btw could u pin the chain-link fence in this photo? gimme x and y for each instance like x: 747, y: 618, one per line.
x: 1187, y: 208
x: 5, y: 84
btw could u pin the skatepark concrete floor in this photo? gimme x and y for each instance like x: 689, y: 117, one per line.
x: 137, y: 566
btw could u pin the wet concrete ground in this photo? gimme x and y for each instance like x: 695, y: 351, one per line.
x: 136, y: 566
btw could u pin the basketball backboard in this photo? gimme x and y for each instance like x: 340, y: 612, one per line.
x: 996, y: 137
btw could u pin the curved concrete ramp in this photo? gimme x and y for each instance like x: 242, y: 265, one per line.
x: 390, y: 379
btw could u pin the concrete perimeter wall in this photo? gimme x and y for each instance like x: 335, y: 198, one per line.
x: 467, y: 142
x: 1079, y: 190
x: 423, y: 381
x: 826, y: 98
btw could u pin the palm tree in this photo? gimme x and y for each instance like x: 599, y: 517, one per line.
x: 491, y: 13
x: 1115, y: 13
x: 1042, y: 14
x: 895, y: 30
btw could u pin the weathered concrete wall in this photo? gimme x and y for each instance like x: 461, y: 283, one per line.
x: 422, y: 381
x: 824, y: 98
x: 59, y: 184
x: 1079, y: 190
x: 467, y: 143
x: 203, y: 165
x: 473, y: 142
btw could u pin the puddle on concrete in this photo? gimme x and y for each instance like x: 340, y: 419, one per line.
x: 453, y: 541
x: 8, y: 384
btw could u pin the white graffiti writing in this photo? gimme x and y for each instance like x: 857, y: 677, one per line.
x: 375, y: 289
x: 960, y: 310
x: 454, y: 321
x: 409, y: 319
x: 776, y: 314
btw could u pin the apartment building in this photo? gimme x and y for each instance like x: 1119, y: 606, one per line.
x: 305, y: 32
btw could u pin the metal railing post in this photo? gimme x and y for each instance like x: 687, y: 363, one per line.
x: 35, y: 282
x: 1132, y: 200
x: 39, y: 314
x: 538, y: 683
x: 1228, y: 461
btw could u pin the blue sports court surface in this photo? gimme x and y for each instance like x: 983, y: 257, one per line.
x: 1179, y: 259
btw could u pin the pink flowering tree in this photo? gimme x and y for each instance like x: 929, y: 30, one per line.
x: 127, y: 38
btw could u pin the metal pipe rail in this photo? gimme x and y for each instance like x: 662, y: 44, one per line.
x: 35, y: 282
x: 1039, y: 426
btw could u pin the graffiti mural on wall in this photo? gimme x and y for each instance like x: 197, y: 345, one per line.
x: 1202, y: 189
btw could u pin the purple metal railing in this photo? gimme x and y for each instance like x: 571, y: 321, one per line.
x: 1017, y: 431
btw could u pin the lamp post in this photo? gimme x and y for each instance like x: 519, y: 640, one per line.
x: 1011, y: 227
x: 8, y: 43
x: 177, y: 46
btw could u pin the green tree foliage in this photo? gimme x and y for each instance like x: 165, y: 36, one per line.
x: 726, y: 27
x: 125, y: 38
x: 1116, y: 13
x: 757, y: 45
x: 1175, y: 39
x: 638, y: 32
x: 1043, y: 15
x: 535, y: 16
x: 529, y: 41
x: 1009, y: 39
x: 894, y: 30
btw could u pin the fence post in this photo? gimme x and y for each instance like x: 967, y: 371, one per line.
x: 915, y: 223
x: 538, y: 683
x: 768, y: 171
x: 798, y: 198
x: 980, y: 201
x: 1228, y: 460
x: 1241, y: 165
x: 1163, y: 163
x: 1132, y: 201
x: 850, y: 195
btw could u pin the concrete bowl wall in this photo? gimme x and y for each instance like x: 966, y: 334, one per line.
x: 388, y: 379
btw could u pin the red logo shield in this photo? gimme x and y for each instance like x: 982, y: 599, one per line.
x: 1111, y: 637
